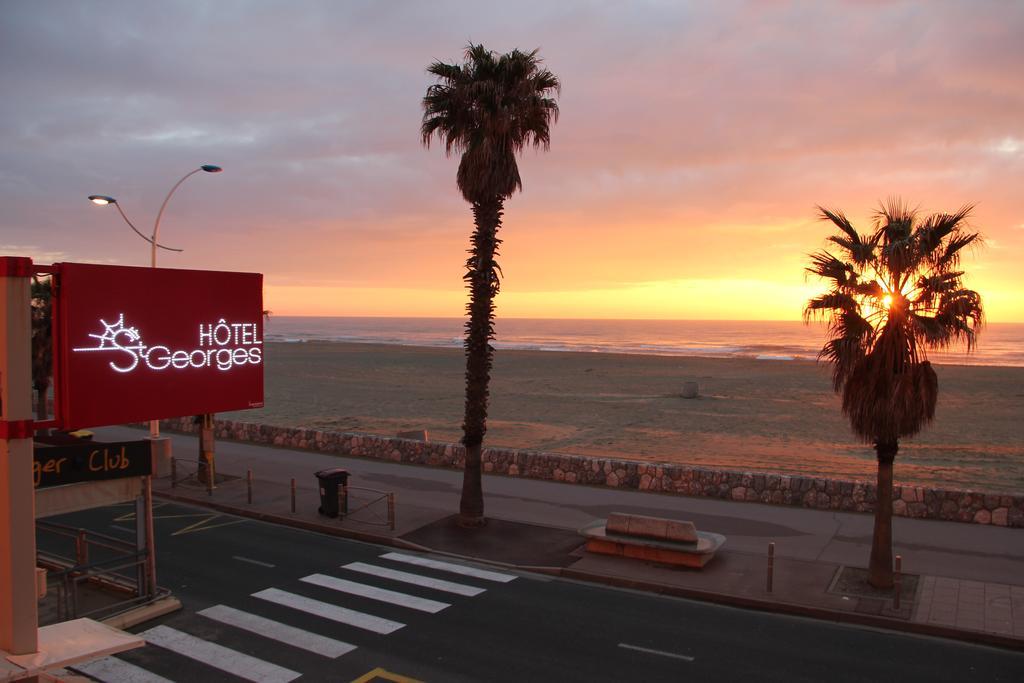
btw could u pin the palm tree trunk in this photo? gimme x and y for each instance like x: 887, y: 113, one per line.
x: 482, y: 280
x: 880, y: 565
x: 42, y: 409
x: 206, y: 467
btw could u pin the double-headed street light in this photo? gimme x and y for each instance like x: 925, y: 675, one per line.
x: 103, y: 200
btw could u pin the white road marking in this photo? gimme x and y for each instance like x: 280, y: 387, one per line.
x: 114, y: 670
x: 268, y: 628
x: 326, y: 610
x: 234, y: 662
x: 374, y: 593
x: 450, y: 567
x: 252, y: 561
x: 414, y: 579
x: 660, y: 653
x: 123, y: 529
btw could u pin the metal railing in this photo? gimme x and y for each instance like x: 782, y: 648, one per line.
x: 367, y: 506
x: 191, y: 472
x: 356, y: 503
x: 77, y: 559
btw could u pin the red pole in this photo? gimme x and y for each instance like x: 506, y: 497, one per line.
x: 18, y: 609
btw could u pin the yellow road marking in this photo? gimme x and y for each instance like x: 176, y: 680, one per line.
x: 130, y: 516
x: 204, y: 524
x: 382, y: 675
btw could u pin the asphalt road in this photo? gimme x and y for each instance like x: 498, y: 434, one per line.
x: 530, y: 628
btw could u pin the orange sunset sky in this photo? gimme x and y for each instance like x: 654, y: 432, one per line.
x: 694, y: 142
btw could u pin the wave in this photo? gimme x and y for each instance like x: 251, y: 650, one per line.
x: 1000, y: 345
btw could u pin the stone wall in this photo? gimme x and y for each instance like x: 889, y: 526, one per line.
x: 808, y: 492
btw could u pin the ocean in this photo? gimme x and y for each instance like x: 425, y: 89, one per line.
x: 999, y: 344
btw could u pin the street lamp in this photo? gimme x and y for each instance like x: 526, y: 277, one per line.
x: 105, y: 200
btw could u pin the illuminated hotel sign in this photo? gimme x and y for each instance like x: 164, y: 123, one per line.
x: 140, y: 344
x: 224, y: 356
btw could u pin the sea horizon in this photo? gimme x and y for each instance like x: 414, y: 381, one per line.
x: 999, y: 344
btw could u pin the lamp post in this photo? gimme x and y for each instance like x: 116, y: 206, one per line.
x: 144, y: 505
x: 104, y: 200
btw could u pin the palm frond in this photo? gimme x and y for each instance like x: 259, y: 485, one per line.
x: 961, y: 313
x: 850, y: 337
x: 858, y: 248
x: 887, y: 399
x: 933, y: 331
x: 830, y: 302
x: 950, y: 256
x: 870, y: 289
x: 448, y: 72
x: 936, y: 227
x: 931, y: 285
x: 843, y: 353
x: 839, y: 219
x: 827, y: 266
x: 895, y: 219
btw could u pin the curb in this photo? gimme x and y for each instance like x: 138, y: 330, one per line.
x: 134, y: 617
x: 353, y: 534
x: 791, y: 609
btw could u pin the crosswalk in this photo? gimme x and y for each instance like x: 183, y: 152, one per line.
x: 415, y: 579
x: 319, y: 608
x: 329, y: 605
x: 381, y: 594
x: 114, y: 669
x: 232, y: 661
x: 289, y: 635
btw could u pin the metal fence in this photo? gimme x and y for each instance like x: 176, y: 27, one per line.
x: 190, y: 472
x: 91, y: 574
x: 367, y: 506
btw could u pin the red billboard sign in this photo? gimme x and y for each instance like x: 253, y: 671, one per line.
x: 141, y: 344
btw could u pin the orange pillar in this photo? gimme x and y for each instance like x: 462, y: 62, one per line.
x: 19, y: 618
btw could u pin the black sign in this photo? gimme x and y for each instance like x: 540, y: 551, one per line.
x: 90, y: 461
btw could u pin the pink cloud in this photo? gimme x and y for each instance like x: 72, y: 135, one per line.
x: 691, y: 134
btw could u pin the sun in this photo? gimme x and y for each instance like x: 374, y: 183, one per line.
x: 887, y: 300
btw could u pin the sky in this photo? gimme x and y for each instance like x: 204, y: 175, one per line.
x: 694, y: 143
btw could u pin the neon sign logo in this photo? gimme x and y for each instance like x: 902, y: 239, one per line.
x: 222, y: 345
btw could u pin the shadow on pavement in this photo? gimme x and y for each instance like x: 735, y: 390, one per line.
x: 501, y: 541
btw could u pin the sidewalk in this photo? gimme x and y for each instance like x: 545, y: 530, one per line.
x: 962, y: 581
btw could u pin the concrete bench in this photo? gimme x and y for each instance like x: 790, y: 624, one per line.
x: 652, y: 538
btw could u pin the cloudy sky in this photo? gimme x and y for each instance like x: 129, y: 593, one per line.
x: 694, y: 142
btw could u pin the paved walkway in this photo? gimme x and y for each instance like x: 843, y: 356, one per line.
x: 963, y: 580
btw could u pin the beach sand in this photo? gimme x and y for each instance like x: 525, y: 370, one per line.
x: 751, y: 415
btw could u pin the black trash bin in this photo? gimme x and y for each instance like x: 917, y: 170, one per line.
x: 330, y: 480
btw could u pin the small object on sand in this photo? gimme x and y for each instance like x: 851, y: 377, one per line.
x: 415, y: 435
x: 689, y: 390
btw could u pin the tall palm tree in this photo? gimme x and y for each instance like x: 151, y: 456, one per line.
x: 488, y: 109
x: 42, y: 343
x: 892, y: 294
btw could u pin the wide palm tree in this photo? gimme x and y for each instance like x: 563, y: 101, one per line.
x: 488, y: 109
x: 893, y: 294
